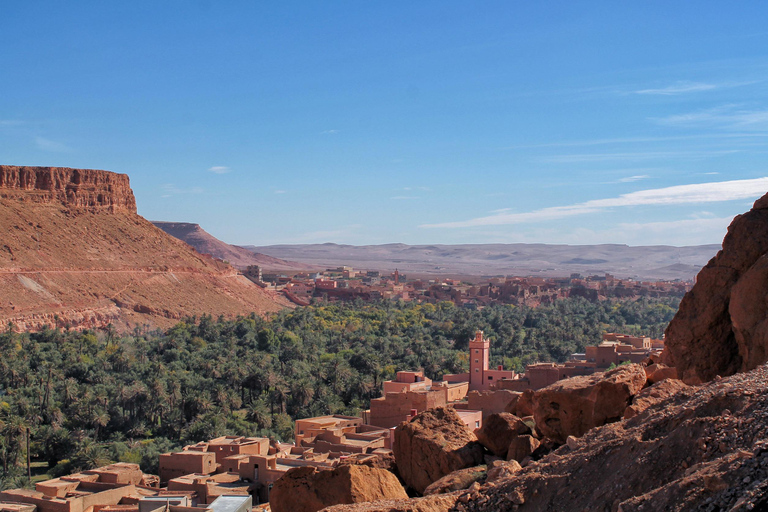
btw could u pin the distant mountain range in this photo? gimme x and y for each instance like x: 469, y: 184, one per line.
x: 646, y: 262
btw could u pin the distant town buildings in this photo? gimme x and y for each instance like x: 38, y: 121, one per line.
x: 346, y: 283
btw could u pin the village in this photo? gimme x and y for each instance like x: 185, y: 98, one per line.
x: 347, y: 283
x: 236, y: 474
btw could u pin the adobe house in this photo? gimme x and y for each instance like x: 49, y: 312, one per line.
x: 174, y: 465
x: 209, y: 487
x: 111, y: 485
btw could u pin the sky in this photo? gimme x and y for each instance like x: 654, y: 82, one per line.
x: 414, y: 122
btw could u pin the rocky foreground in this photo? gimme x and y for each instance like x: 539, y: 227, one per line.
x: 701, y: 448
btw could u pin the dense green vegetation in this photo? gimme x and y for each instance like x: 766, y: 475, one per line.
x: 89, y: 397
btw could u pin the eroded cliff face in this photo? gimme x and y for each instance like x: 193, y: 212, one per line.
x: 76, y: 188
x: 74, y: 252
x: 721, y: 326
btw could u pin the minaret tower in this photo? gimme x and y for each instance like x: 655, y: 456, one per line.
x: 478, y: 361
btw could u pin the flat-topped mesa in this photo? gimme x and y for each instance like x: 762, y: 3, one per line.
x: 78, y: 188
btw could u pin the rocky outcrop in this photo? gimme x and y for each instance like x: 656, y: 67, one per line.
x: 573, y: 406
x: 499, y: 430
x: 432, y: 445
x: 721, y: 326
x: 702, y: 448
x: 307, y: 489
x: 77, y: 188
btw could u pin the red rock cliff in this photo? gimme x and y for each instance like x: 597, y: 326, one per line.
x: 80, y: 188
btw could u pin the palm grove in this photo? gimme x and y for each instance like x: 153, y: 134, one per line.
x: 82, y: 399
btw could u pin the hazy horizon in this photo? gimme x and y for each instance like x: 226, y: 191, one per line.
x: 430, y: 123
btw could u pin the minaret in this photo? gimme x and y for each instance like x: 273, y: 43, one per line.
x: 478, y: 361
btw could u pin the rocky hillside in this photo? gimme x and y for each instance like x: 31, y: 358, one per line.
x: 75, y: 252
x: 238, y: 257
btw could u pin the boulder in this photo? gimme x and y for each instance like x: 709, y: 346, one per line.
x: 433, y: 503
x: 658, y: 372
x: 721, y: 326
x: 653, y: 395
x: 522, y: 405
x: 522, y: 447
x: 501, y: 470
x: 433, y: 444
x: 574, y: 406
x: 457, y: 480
x: 308, y: 489
x: 499, y: 430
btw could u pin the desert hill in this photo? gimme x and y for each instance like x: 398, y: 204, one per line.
x: 238, y: 257
x: 648, y: 262
x: 74, y: 251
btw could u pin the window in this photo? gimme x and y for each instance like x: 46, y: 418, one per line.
x: 477, y: 351
x: 490, y: 377
x: 477, y: 370
x: 477, y: 424
x: 477, y: 360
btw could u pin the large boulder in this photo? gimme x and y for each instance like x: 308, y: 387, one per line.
x: 571, y: 407
x: 432, y: 445
x: 307, y: 489
x: 499, y: 430
x: 721, y: 326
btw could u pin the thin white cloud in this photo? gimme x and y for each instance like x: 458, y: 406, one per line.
x: 632, y: 179
x: 403, y: 198
x: 634, y: 140
x: 680, y: 194
x: 733, y: 117
x: 51, y: 145
x: 635, y: 156
x: 329, y: 132
x: 679, y: 88
x: 11, y: 122
x: 279, y: 191
x: 219, y: 169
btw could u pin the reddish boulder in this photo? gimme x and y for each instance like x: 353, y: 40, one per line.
x: 432, y: 445
x: 653, y: 395
x: 522, y: 405
x: 720, y: 327
x: 501, y: 470
x: 522, y: 447
x: 499, y: 430
x: 457, y: 480
x: 574, y: 406
x: 307, y: 489
x: 658, y: 372
x: 433, y: 503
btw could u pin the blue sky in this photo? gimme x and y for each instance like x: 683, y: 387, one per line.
x: 416, y: 122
